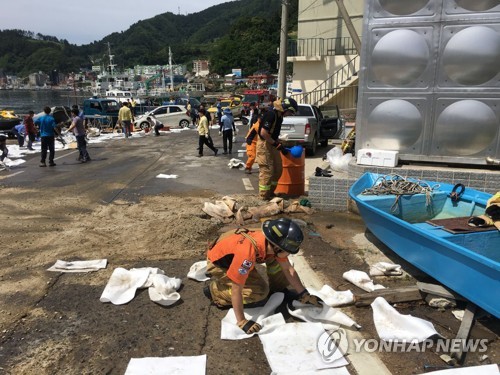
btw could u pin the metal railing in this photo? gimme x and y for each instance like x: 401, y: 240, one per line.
x: 321, y: 47
x: 333, y: 86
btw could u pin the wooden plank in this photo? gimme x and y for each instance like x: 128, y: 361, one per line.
x: 463, y: 331
x: 393, y: 295
x: 439, y: 290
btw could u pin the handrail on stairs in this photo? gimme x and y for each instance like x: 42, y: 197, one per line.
x: 331, y: 85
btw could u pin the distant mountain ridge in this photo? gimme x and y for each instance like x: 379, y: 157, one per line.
x: 145, y: 42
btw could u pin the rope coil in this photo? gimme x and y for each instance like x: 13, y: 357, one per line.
x: 393, y: 184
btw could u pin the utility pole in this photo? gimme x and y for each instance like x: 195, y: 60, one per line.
x: 283, y: 50
x: 170, y: 69
x: 350, y: 27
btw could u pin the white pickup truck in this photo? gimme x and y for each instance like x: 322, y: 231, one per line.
x: 309, y: 127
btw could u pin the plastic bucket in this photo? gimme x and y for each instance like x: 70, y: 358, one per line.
x: 292, y: 180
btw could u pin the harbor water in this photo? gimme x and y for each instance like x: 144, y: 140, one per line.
x: 22, y: 101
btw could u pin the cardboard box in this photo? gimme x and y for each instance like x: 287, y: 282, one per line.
x: 380, y: 158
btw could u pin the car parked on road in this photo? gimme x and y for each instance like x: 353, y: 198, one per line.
x: 169, y: 115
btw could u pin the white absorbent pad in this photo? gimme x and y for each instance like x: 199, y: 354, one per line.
x: 332, y: 297
x: 13, y: 163
x: 195, y: 365
x: 122, y: 285
x: 385, y: 269
x: 295, y: 348
x: 392, y: 326
x: 473, y: 370
x: 361, y: 280
x: 162, y: 175
x: 235, y: 163
x: 264, y: 315
x: 198, y: 271
x: 333, y: 318
x: 78, y: 265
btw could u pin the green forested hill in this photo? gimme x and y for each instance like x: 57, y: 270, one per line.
x: 239, y: 34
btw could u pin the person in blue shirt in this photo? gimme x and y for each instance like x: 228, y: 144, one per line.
x: 226, y: 128
x: 48, y: 129
x: 19, y: 132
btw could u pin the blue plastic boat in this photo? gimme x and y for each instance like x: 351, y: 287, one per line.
x: 467, y: 263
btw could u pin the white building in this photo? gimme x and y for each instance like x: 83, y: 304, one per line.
x: 324, y: 55
x: 201, y: 68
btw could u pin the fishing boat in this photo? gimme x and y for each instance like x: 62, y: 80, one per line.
x: 430, y: 230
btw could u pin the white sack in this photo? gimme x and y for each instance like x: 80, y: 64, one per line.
x: 324, y: 314
x: 122, y: 285
x: 385, y: 269
x: 78, y: 265
x: 195, y: 365
x: 392, y: 326
x: 198, y: 271
x: 333, y: 297
x: 361, y: 280
x: 262, y: 315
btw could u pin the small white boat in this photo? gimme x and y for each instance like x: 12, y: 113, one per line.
x: 121, y: 96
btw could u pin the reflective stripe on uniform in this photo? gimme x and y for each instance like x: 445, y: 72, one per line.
x: 264, y: 187
x: 273, y: 269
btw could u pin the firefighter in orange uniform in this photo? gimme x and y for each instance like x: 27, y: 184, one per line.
x: 269, y: 147
x: 235, y: 281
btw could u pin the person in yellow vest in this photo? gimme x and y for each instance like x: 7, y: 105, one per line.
x: 269, y: 147
x: 125, y: 119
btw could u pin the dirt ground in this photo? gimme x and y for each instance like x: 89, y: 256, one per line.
x: 54, y: 323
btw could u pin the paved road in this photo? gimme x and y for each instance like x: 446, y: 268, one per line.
x: 129, y: 168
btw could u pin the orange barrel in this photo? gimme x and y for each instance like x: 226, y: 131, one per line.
x: 292, y: 180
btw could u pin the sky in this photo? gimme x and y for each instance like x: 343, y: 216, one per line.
x: 85, y: 21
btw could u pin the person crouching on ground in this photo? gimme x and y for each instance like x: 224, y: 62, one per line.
x: 204, y: 135
x: 4, y: 149
x: 235, y: 281
x: 155, y: 124
x: 79, y: 131
x: 48, y: 129
x: 19, y: 131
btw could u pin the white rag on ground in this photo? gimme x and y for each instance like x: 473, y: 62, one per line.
x: 198, y: 271
x: 472, y: 370
x: 385, y: 269
x: 195, y: 365
x: 393, y: 326
x: 78, y: 265
x: 361, y: 280
x: 263, y: 315
x: 13, y: 163
x: 161, y: 175
x: 326, y: 315
x: 122, y: 285
x: 333, y: 297
x: 235, y: 163
x: 293, y: 348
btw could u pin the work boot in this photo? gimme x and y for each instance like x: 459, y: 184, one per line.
x: 52, y: 164
x: 207, y: 293
x: 42, y: 164
x: 216, y: 151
